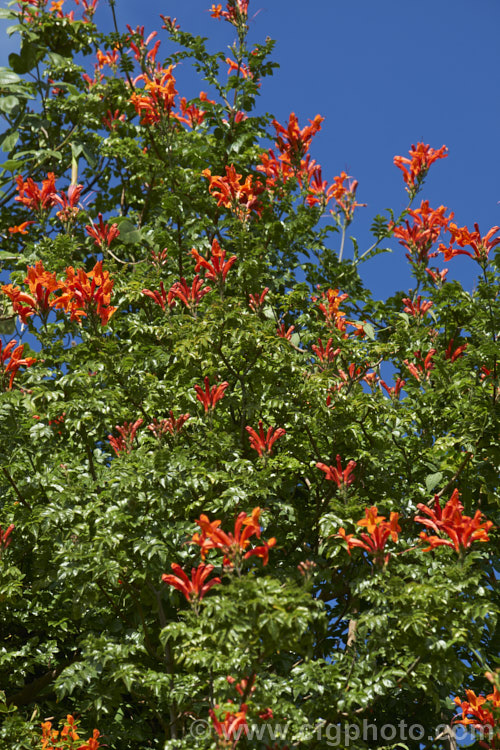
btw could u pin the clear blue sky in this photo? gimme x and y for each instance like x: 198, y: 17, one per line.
x: 384, y: 75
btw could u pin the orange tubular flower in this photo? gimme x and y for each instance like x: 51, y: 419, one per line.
x: 87, y: 293
x: 463, y: 238
x: 477, y: 712
x: 103, y: 234
x: 217, y: 267
x: 158, y: 99
x: 330, y: 308
x: 38, y: 199
x: 196, y: 587
x: 230, y: 726
x: 41, y: 284
x: 262, y: 442
x: 68, y: 734
x: 256, y: 301
x: 394, y: 391
x: 233, y: 545
x: 210, y: 396
x: 345, y: 195
x: 342, y: 478
x: 416, y: 167
x: 417, y: 308
x: 327, y: 353
x: 420, y: 236
x: 418, y: 369
x: 240, y: 198
x: 69, y: 203
x: 5, y: 539
x: 293, y: 141
x: 172, y: 425
x: 457, y: 353
x: 189, y: 296
x: 12, y: 353
x: 461, y: 530
x: 162, y: 298
x: 283, y: 332
x: 20, y: 228
x: 378, y: 532
x: 124, y: 442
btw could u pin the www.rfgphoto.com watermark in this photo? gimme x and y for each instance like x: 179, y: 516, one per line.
x: 341, y: 735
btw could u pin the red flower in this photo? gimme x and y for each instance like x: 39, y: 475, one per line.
x: 124, y: 442
x: 232, y: 545
x: 236, y: 11
x: 293, y: 141
x: 103, y: 234
x: 162, y: 298
x: 87, y: 292
x: 69, y: 203
x: 14, y: 354
x: 262, y: 442
x: 240, y: 198
x: 189, y: 296
x: 41, y: 284
x: 463, y: 238
x: 38, y: 199
x: 330, y: 308
x: 342, y: 478
x: 172, y: 425
x: 417, y: 308
x: 419, y: 237
x: 415, y: 169
x: 395, y: 390
x: 210, y: 396
x: 256, y: 301
x: 20, y: 228
x: 345, y: 195
x: 378, y: 532
x: 195, y: 587
x: 327, y: 353
x: 283, y: 332
x: 230, y: 726
x: 5, y: 539
x: 477, y: 711
x: 418, y: 369
x: 157, y: 100
x: 217, y: 267
x: 457, y: 353
x: 461, y: 530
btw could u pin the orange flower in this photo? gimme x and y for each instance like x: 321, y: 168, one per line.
x: 158, y: 99
x: 240, y: 198
x: 256, y: 301
x: 103, y: 234
x: 230, y: 725
x: 210, y: 396
x: 217, y: 267
x: 463, y: 238
x: 293, y: 141
x: 330, y: 308
x: 196, y: 587
x: 87, y: 293
x: 283, y: 332
x: 325, y: 354
x: 41, y: 284
x: 38, y: 199
x: 12, y: 353
x: 262, y: 442
x: 345, y: 195
x: 20, y: 228
x: 236, y: 11
x: 419, y: 236
x: 417, y: 308
x: 416, y: 167
x: 162, y: 298
x: 378, y: 532
x: 461, y: 530
x: 124, y: 442
x: 342, y: 478
x: 233, y: 545
x: 5, y: 539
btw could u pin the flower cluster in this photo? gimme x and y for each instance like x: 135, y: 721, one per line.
x: 478, y: 712
x: 171, y: 424
x: 263, y: 442
x: 378, y: 532
x: 462, y: 237
x: 195, y: 588
x: 416, y: 167
x: 209, y: 396
x: 125, y: 440
x: 81, y: 293
x: 13, y: 353
x: 461, y: 530
x: 5, y: 538
x: 236, y: 11
x: 240, y: 197
x: 233, y: 545
x: 419, y: 236
x: 67, y: 737
x: 342, y: 477
x: 216, y: 267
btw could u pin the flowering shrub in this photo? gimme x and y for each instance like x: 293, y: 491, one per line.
x: 237, y: 492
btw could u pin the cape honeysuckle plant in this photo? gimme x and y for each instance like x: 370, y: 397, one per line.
x: 243, y: 504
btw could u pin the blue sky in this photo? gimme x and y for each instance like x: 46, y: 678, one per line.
x: 384, y: 75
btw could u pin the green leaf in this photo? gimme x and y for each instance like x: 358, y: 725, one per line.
x: 8, y: 103
x: 9, y: 141
x: 8, y: 77
x: 432, y: 480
